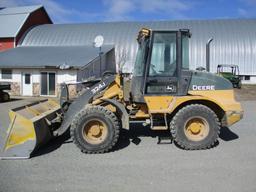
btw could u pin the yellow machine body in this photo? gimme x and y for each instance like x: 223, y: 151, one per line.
x: 220, y: 101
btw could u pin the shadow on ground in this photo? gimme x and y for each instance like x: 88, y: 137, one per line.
x: 133, y: 136
x: 227, y: 135
x: 52, y: 145
x: 137, y: 132
x: 126, y: 138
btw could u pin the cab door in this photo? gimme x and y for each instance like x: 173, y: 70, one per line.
x: 163, y: 68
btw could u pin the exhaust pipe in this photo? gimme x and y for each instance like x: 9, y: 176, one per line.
x: 208, y: 54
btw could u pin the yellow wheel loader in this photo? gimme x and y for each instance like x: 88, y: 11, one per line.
x: 162, y: 92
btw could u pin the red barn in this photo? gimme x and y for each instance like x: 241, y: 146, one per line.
x: 15, y: 21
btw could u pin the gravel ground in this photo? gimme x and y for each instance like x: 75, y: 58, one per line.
x: 247, y: 93
x: 138, y: 163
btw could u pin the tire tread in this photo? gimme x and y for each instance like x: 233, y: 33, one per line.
x: 173, y: 127
x: 90, y: 110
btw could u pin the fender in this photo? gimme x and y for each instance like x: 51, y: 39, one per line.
x: 122, y: 111
x: 81, y: 102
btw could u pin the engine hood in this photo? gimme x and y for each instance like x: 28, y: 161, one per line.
x: 203, y: 81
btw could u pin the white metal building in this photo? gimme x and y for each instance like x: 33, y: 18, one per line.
x: 46, y: 47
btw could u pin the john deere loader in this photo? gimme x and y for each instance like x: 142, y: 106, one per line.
x: 162, y: 92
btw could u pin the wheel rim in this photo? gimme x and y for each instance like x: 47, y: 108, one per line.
x: 95, y: 131
x: 196, y: 128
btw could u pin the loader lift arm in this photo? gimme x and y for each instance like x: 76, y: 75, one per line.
x: 81, y: 102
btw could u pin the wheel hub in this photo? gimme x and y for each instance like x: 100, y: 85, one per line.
x: 95, y: 131
x: 196, y: 128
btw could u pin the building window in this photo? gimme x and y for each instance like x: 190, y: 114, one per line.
x: 27, y: 79
x: 6, y: 74
x: 48, y: 83
x: 247, y: 78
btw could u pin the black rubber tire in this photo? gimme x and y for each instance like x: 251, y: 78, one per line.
x: 95, y: 112
x: 4, y: 97
x: 178, y: 122
x: 239, y: 85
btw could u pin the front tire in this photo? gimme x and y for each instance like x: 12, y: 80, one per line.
x: 195, y: 127
x: 95, y: 129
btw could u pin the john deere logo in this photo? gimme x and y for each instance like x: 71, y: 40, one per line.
x: 203, y: 87
x: 171, y: 88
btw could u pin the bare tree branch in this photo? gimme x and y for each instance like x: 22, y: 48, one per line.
x: 121, y: 59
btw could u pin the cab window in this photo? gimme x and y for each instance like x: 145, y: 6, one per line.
x: 163, y: 56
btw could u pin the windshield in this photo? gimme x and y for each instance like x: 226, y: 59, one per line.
x: 140, y: 58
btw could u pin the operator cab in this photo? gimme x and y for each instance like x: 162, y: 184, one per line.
x: 162, y: 64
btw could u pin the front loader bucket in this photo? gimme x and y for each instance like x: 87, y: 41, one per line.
x: 29, y: 128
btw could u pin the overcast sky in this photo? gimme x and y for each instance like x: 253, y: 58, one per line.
x: 79, y: 11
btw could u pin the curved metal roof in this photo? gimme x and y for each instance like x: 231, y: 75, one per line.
x: 234, y: 39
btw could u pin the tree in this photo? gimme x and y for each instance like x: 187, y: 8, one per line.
x: 121, y: 59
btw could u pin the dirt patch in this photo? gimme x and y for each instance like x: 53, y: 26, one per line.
x: 246, y: 93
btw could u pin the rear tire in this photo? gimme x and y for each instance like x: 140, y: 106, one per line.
x: 95, y: 129
x: 195, y: 127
